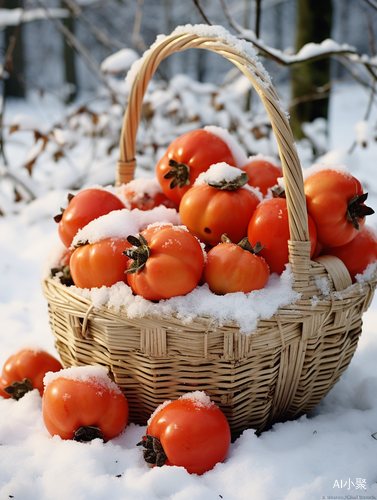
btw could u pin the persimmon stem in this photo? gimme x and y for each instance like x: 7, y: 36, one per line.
x: 357, y: 210
x: 153, y: 451
x: 87, y: 433
x: 180, y: 174
x: 232, y: 185
x: 17, y: 389
x: 139, y: 252
x: 58, y: 217
x: 244, y: 244
x: 278, y: 191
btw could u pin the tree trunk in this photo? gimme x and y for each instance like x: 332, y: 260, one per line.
x: 313, y: 25
x: 69, y: 60
x: 14, y: 86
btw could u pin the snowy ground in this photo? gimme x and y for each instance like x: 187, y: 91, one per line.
x: 330, y: 453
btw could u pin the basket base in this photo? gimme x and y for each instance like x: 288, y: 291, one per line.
x: 251, y: 392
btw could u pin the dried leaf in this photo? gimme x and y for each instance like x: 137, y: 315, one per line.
x: 13, y: 128
x: 29, y: 165
x: 59, y: 154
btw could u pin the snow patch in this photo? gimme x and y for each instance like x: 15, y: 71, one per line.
x: 95, y: 375
x: 242, y: 309
x: 119, y: 224
x: 199, y: 399
x: 314, y: 169
x: 119, y: 61
x: 217, y: 173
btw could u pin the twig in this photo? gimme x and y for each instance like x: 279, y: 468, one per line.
x: 237, y: 27
x: 18, y: 181
x: 372, y: 3
x: 137, y: 24
x: 100, y: 35
x: 309, y: 97
x: 2, y: 104
x: 370, y: 34
x: 196, y: 3
x: 81, y: 50
x: 345, y: 62
x: 258, y: 14
x: 373, y: 87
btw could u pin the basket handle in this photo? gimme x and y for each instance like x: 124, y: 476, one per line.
x: 299, y: 245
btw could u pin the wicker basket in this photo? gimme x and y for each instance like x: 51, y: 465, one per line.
x: 279, y: 372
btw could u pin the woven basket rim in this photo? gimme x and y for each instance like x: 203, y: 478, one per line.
x: 292, y: 311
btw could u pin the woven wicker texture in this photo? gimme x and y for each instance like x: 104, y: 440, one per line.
x: 284, y: 368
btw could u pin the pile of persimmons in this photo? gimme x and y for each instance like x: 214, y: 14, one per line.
x: 234, y: 223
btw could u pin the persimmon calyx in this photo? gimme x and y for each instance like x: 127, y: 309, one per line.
x: 244, y: 244
x: 18, y: 389
x: 87, y: 433
x: 225, y: 185
x: 65, y: 277
x: 153, y: 451
x: 58, y: 217
x: 180, y: 174
x: 81, y: 243
x: 357, y: 210
x: 139, y: 252
x: 278, y: 191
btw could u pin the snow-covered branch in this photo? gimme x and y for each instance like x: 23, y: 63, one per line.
x: 308, y: 53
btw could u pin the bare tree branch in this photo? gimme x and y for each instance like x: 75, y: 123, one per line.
x: 104, y: 38
x: 81, y: 50
x: 370, y: 33
x: 372, y: 3
x: 284, y: 59
x: 196, y: 3
x: 258, y: 15
x: 309, y: 97
x: 373, y: 87
x: 4, y: 173
x: 137, y: 25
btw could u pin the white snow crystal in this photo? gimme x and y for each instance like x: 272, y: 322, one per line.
x: 199, y: 398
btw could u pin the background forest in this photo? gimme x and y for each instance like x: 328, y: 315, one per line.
x: 72, y: 57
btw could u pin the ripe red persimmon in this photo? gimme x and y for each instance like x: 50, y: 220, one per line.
x: 168, y: 261
x: 188, y: 156
x: 84, y: 207
x: 211, y: 209
x: 83, y: 404
x: 234, y: 267
x: 262, y: 173
x: 98, y: 264
x: 358, y: 253
x: 335, y: 200
x: 29, y: 364
x: 269, y: 224
x: 190, y: 432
